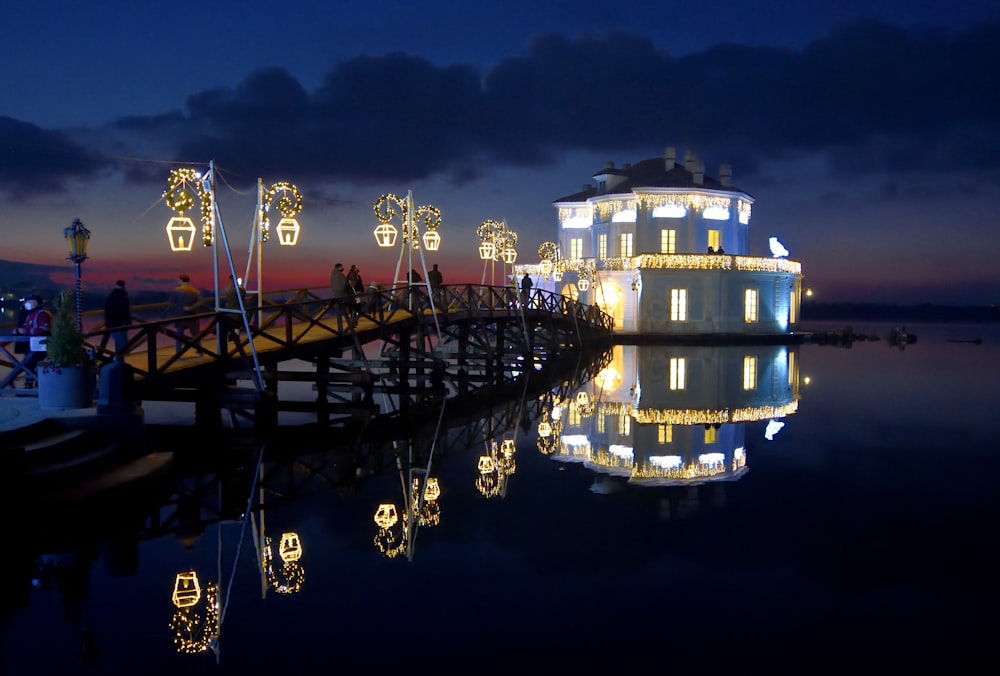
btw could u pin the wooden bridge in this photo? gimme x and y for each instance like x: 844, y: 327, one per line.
x: 398, y: 341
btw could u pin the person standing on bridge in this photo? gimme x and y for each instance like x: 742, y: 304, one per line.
x: 185, y: 302
x: 37, y: 322
x: 526, y: 285
x: 435, y: 278
x: 356, y: 288
x: 117, y: 315
x: 340, y: 291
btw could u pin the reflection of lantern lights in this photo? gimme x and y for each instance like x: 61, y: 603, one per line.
x: 487, y: 464
x: 544, y: 429
x: 288, y: 232
x: 433, y: 490
x: 290, y: 548
x: 546, y: 267
x: 487, y: 250
x: 432, y: 240
x: 507, y: 447
x: 557, y: 275
x: 180, y: 232
x: 194, y: 633
x: 582, y: 398
x: 385, y: 234
x: 386, y: 516
x: 583, y: 284
x: 187, y: 590
x: 509, y: 255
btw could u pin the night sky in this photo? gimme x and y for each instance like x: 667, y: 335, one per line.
x: 867, y: 131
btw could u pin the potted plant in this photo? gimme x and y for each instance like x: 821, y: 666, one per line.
x: 66, y: 376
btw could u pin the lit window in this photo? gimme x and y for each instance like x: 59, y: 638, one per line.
x: 791, y: 308
x: 624, y: 424
x: 749, y: 373
x: 668, y: 241
x: 711, y: 434
x: 625, y: 245
x: 576, y: 247
x: 664, y: 433
x: 750, y: 304
x: 791, y: 368
x: 602, y: 245
x: 678, y: 305
x: 677, y: 373
x: 714, y: 238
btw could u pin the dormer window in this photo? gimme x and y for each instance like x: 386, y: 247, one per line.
x: 602, y: 185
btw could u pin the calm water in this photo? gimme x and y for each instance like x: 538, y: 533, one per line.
x: 860, y: 538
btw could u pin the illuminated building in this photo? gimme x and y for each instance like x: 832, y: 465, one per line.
x: 664, y: 248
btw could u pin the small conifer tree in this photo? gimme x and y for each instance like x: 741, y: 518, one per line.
x: 65, y: 344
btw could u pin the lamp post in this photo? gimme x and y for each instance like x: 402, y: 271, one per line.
x: 390, y: 208
x: 77, y: 237
x: 289, y: 205
x: 496, y: 243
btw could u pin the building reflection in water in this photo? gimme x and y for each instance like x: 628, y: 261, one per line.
x: 672, y: 415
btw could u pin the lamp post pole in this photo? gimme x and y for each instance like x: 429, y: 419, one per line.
x: 77, y: 236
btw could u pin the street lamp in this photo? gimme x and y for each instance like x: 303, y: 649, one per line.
x: 288, y: 200
x: 496, y: 243
x: 77, y: 237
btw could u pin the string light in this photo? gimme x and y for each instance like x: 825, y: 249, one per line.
x: 178, y: 196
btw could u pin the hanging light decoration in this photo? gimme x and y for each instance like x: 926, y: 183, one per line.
x: 187, y: 590
x: 178, y: 196
x: 289, y: 205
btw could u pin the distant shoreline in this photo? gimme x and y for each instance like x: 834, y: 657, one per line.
x: 925, y: 312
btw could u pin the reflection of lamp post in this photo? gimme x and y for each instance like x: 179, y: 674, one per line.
x: 77, y: 237
x: 389, y: 208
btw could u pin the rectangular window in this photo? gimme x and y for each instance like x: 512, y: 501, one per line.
x: 791, y: 368
x: 749, y: 373
x: 576, y: 247
x: 750, y: 306
x: 602, y: 245
x: 711, y: 434
x: 624, y: 424
x: 668, y: 241
x: 664, y: 433
x: 678, y: 377
x: 678, y: 305
x: 600, y: 424
x: 714, y: 239
x: 791, y: 308
x: 625, y: 245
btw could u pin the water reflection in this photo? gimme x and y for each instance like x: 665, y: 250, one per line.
x: 671, y: 415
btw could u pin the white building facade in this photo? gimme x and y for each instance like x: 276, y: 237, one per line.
x: 664, y: 249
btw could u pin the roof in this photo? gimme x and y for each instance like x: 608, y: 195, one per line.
x: 651, y: 173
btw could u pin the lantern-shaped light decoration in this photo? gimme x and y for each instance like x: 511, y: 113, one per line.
x: 507, y: 447
x: 544, y: 429
x: 289, y: 205
x: 509, y: 255
x: 187, y: 590
x: 583, y: 284
x: 487, y: 464
x: 386, y: 516
x: 290, y: 548
x: 288, y: 232
x: 546, y: 267
x: 180, y: 232
x: 487, y: 250
x: 582, y: 399
x: 385, y: 234
x: 432, y: 240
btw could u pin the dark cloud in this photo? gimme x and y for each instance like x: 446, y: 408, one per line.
x: 869, y: 96
x: 35, y: 161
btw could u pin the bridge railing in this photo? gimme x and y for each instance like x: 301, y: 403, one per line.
x: 284, y: 318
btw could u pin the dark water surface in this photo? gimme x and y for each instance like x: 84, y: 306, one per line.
x: 861, y: 539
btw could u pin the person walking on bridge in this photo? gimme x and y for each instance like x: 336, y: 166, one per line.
x: 435, y: 278
x: 185, y: 302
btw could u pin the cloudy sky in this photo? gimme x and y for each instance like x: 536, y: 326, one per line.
x: 867, y: 131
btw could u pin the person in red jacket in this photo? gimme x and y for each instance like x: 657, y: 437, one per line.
x: 38, y: 322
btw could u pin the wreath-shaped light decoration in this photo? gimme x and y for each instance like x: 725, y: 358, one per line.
x: 289, y: 205
x: 389, y: 206
x: 178, y: 197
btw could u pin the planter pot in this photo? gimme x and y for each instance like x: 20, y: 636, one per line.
x: 66, y: 387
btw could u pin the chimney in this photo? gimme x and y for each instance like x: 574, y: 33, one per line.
x: 689, y: 160
x: 726, y: 175
x: 670, y: 158
x: 699, y: 172
x: 609, y: 165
